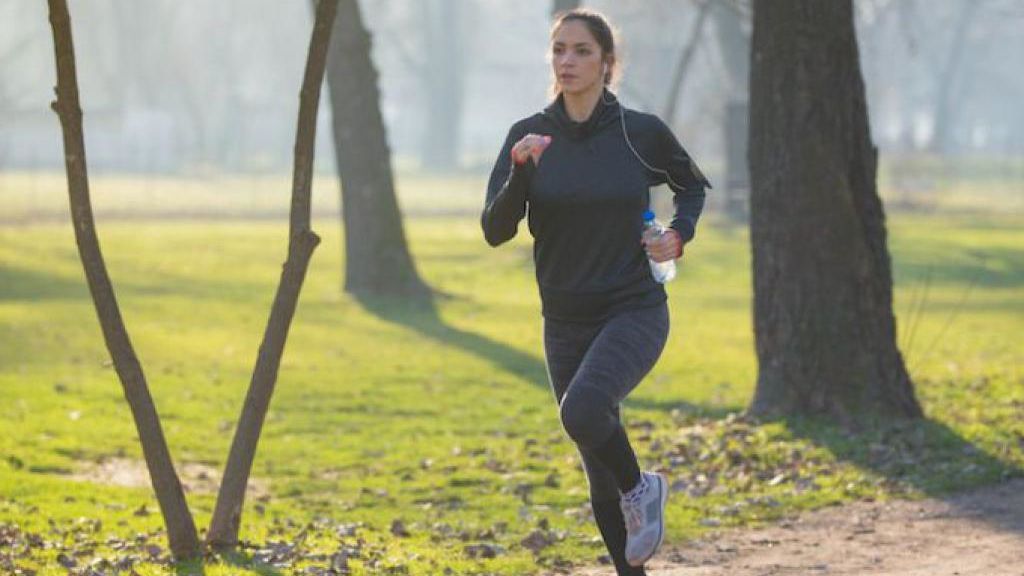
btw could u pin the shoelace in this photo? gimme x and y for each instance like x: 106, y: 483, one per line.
x: 632, y: 511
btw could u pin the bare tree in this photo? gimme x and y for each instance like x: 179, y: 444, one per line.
x: 377, y: 259
x: 181, y: 530
x: 227, y: 514
x: 824, y: 327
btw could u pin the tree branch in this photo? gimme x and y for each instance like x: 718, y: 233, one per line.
x: 181, y: 530
x: 227, y: 515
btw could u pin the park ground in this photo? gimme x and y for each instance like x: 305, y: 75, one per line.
x: 413, y: 439
x: 975, y: 533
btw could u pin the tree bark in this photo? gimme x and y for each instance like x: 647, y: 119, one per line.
x: 227, y: 514
x: 824, y: 328
x: 377, y: 259
x: 181, y: 530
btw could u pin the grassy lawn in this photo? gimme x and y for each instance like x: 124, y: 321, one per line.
x: 405, y: 439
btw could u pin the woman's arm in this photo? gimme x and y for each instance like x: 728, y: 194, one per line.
x: 506, y: 194
x: 686, y: 181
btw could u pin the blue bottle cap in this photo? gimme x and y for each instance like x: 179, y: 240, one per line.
x: 648, y: 216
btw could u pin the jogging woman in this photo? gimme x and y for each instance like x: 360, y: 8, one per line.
x: 582, y: 170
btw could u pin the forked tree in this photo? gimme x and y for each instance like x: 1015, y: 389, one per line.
x: 181, y: 531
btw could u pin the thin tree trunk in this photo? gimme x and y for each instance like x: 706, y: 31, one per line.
x: 181, y: 530
x: 377, y: 259
x: 227, y: 515
x: 947, y: 86
x: 444, y: 83
x: 824, y: 328
x: 683, y: 64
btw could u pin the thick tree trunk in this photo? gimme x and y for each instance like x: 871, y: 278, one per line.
x: 377, y: 259
x: 181, y: 530
x: 824, y: 327
x: 227, y: 515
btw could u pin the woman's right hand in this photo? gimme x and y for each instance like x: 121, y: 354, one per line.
x: 530, y: 146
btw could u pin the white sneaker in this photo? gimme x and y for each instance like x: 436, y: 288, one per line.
x: 644, y: 511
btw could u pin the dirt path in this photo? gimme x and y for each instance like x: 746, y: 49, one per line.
x: 979, y: 533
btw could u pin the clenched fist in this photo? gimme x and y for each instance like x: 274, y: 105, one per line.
x: 530, y: 146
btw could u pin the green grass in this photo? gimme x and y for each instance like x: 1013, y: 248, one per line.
x: 440, y: 417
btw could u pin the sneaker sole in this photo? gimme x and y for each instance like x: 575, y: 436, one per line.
x: 663, y: 494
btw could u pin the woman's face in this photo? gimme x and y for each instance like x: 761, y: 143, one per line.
x: 576, y: 58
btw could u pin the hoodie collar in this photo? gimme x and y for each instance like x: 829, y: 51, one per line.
x: 602, y: 115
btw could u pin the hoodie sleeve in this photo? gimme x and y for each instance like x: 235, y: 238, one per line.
x: 506, y: 194
x: 686, y: 181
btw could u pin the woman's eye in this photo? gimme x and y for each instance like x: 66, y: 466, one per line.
x: 583, y: 52
x: 556, y: 51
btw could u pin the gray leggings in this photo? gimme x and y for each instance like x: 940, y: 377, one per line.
x: 592, y: 368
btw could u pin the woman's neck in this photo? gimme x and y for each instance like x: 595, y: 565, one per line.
x: 579, y: 106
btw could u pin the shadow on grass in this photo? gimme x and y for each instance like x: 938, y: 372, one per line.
x: 242, y: 562
x: 32, y: 285
x: 686, y: 408
x: 190, y: 568
x: 29, y: 285
x: 421, y: 315
x: 925, y: 455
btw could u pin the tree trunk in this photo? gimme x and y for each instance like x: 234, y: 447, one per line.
x: 824, y: 328
x: 559, y: 6
x: 377, y: 258
x: 444, y: 81
x: 181, y: 530
x: 227, y: 515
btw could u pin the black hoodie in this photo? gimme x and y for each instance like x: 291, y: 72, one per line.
x: 586, y: 197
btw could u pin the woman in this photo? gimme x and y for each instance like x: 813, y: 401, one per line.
x: 584, y: 166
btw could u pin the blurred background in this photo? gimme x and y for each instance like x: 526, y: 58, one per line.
x: 180, y: 97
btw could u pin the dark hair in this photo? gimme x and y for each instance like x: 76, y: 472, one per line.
x: 599, y: 28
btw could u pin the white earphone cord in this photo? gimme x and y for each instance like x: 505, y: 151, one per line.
x: 625, y: 135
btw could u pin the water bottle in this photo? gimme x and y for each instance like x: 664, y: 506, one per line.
x: 662, y: 271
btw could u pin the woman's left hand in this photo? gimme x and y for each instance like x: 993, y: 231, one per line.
x: 667, y: 246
